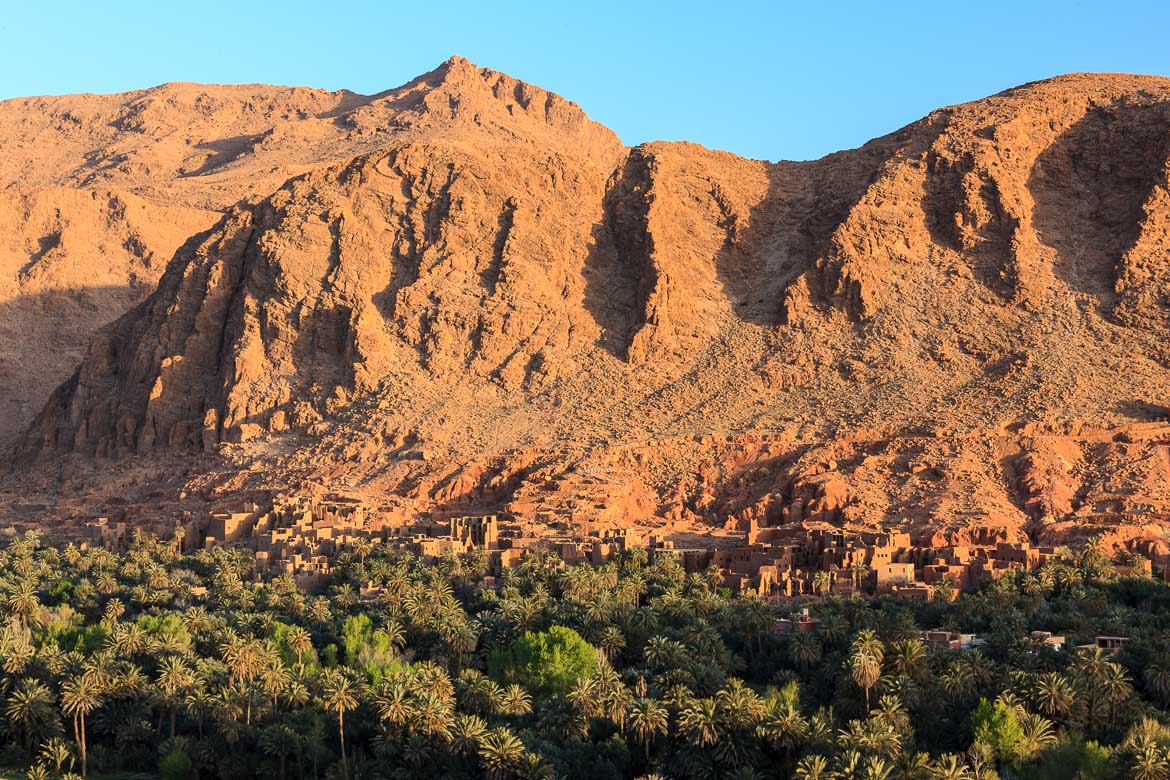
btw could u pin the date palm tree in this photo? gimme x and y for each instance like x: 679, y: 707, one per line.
x: 301, y: 644
x: 1116, y: 686
x: 784, y: 727
x: 1053, y: 694
x: 363, y: 547
x: 106, y: 583
x: 274, y: 679
x: 244, y: 659
x: 663, y: 652
x: 757, y: 619
x: 872, y: 735
x: 1157, y: 677
x: 613, y: 641
x: 478, y: 693
x: 823, y: 582
x: 516, y: 701
x: 805, y: 650
x: 892, y: 712
x: 339, y: 695
x: 466, y: 733
x: 820, y: 728
x: 616, y: 702
x: 738, y: 705
x: 200, y: 704
x: 848, y: 764
x: 175, y: 678
x: 278, y: 741
x: 914, y: 765
x: 1149, y: 763
x: 395, y: 634
x: 957, y: 681
x: 944, y: 589
x: 859, y: 570
x: 432, y: 714
x: 950, y: 766
x: 876, y: 768
x: 393, y: 702
x: 58, y: 753
x: 24, y: 602
x: 867, y: 641
x: 907, y: 658
x: 699, y: 723
x: 1038, y: 734
x: 29, y: 712
x: 534, y: 767
x: 865, y: 670
x: 127, y: 639
x: 16, y: 648
x: 585, y: 697
x: 501, y: 752
x: 647, y: 718
x: 813, y: 767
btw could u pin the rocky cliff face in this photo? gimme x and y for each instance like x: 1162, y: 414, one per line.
x: 99, y: 191
x: 71, y: 261
x: 402, y: 292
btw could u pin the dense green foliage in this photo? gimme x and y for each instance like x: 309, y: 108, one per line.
x: 121, y: 663
x: 996, y: 726
x: 548, y: 662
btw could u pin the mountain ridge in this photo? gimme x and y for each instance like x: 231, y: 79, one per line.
x: 470, y: 276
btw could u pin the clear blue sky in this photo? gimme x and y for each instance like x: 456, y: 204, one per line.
x: 774, y: 80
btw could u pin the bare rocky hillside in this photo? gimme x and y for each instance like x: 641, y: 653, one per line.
x: 464, y: 292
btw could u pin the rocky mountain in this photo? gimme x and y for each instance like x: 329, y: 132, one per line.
x: 463, y: 291
x: 98, y: 191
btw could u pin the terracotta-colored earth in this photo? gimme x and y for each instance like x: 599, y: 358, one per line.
x: 464, y: 293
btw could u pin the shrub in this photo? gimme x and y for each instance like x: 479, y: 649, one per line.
x: 550, y: 662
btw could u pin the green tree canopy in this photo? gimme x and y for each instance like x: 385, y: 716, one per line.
x: 997, y: 726
x: 550, y: 662
x: 169, y: 628
x: 367, y: 648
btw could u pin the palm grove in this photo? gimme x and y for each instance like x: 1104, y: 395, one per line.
x: 188, y: 666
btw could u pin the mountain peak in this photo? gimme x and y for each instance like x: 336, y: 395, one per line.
x: 462, y: 95
x: 456, y: 63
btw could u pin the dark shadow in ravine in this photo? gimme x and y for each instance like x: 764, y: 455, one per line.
x: 618, y: 273
x: 1089, y: 188
x: 946, y: 197
x: 43, y: 338
x: 759, y: 260
x: 223, y: 151
x: 762, y: 255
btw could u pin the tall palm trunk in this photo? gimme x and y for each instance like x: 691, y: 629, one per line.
x: 81, y: 743
x: 341, y: 734
x: 76, y: 734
